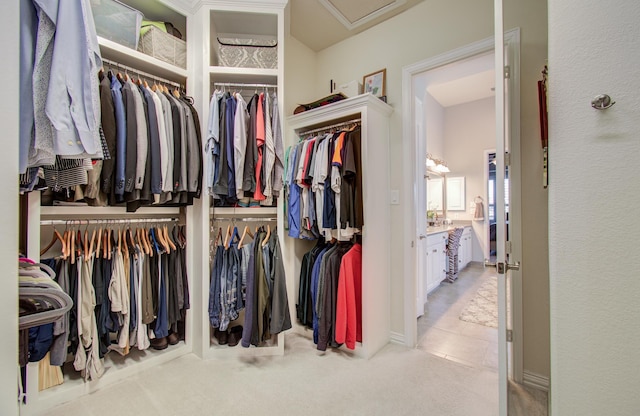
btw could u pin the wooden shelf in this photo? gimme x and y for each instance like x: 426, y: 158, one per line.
x: 243, y: 212
x: 87, y: 211
x: 244, y: 75
x: 130, y: 57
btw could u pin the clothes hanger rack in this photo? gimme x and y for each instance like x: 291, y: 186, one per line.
x: 244, y: 219
x: 142, y: 74
x: 107, y: 221
x: 330, y: 127
x: 243, y: 85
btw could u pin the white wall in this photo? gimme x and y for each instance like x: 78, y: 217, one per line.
x: 594, y: 193
x: 299, y: 73
x: 9, y: 42
x: 469, y: 130
x: 429, y: 29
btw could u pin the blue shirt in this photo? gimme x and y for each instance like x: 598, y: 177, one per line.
x: 315, y: 277
x: 73, y: 99
x: 293, y: 217
x: 230, y: 114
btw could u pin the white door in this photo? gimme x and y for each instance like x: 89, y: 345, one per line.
x: 503, y: 263
x: 421, y: 208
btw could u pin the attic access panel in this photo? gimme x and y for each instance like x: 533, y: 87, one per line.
x: 353, y: 13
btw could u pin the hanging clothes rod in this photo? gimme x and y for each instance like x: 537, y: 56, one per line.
x: 107, y: 222
x: 245, y: 219
x: 330, y: 127
x: 239, y: 84
x: 140, y: 73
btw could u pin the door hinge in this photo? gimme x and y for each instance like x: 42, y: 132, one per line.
x: 507, y: 159
x: 509, y: 335
x: 507, y: 72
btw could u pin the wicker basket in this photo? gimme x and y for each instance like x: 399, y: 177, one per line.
x: 248, y: 53
x: 164, y: 46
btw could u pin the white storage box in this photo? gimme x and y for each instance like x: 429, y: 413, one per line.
x: 350, y: 89
x: 164, y: 46
x: 248, y: 53
x: 117, y: 22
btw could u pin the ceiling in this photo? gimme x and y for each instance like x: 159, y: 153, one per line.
x: 460, y: 82
x: 463, y: 90
x: 321, y: 23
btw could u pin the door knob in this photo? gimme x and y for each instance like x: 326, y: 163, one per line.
x: 502, y: 267
x: 422, y: 236
x: 487, y: 263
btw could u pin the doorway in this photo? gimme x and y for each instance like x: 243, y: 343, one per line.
x: 416, y: 203
x: 460, y: 310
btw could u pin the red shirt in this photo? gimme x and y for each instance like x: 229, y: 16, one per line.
x: 349, y: 300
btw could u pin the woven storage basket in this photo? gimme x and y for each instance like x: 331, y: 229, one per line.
x: 164, y: 46
x: 248, y: 53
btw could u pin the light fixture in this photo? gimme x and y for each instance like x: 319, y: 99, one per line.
x: 436, y: 165
x: 441, y: 167
x: 430, y: 162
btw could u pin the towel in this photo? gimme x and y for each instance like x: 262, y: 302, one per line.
x: 479, y: 214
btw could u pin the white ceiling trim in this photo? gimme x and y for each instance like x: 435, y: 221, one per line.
x: 365, y: 19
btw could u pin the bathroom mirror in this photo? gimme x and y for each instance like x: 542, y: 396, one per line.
x: 455, y: 193
x: 435, y: 191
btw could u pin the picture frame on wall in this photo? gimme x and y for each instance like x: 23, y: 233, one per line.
x: 375, y: 83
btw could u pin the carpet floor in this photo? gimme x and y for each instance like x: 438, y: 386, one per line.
x: 396, y: 381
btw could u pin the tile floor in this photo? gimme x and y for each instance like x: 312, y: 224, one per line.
x: 442, y: 333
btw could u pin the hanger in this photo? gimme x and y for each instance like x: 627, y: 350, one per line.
x: 141, y: 241
x: 266, y: 237
x: 110, y: 237
x: 86, y: 241
x: 163, y: 240
x: 98, y: 242
x: 168, y: 238
x: 218, y: 237
x: 91, y: 243
x: 72, y: 251
x: 119, y: 240
x: 54, y: 237
x: 246, y: 231
x: 235, y: 236
x: 227, y: 235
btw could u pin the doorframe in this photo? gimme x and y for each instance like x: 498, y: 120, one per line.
x: 485, y: 227
x: 410, y: 184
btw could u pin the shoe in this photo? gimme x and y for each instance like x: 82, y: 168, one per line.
x: 235, y: 335
x: 221, y: 336
x: 181, y: 330
x: 173, y: 338
x: 159, y: 343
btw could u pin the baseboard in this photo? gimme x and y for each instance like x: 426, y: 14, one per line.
x: 535, y: 380
x: 397, y: 338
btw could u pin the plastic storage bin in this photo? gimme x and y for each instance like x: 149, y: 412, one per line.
x: 117, y: 22
x: 248, y: 53
x: 164, y: 46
